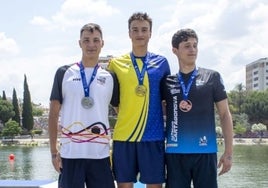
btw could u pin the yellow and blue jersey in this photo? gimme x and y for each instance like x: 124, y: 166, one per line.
x: 139, y: 118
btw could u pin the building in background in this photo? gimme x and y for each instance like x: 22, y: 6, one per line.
x: 257, y: 75
x: 103, y: 61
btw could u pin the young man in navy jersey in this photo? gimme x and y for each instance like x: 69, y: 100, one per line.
x: 80, y: 99
x: 190, y: 95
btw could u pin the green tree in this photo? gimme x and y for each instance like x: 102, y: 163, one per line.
x: 6, y: 111
x: 15, y: 103
x: 256, y: 106
x: 236, y: 98
x: 36, y: 131
x: 259, y: 128
x: 239, y: 130
x: 27, y: 115
x: 4, y: 96
x: 241, y: 119
x: 37, y: 110
x: 11, y: 129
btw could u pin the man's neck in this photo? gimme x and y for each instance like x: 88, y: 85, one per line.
x: 187, y: 68
x: 89, y: 62
x: 139, y: 52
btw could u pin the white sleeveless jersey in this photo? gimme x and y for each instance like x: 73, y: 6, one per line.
x: 85, y: 133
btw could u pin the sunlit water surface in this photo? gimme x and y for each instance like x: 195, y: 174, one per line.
x: 250, y: 166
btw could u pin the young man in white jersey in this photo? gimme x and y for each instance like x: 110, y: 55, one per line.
x: 80, y: 100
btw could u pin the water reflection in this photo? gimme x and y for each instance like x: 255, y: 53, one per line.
x: 31, y: 163
x: 250, y: 166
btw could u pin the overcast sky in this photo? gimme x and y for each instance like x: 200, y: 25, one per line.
x: 37, y: 36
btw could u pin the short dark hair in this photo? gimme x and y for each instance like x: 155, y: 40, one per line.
x: 91, y: 27
x: 140, y: 16
x: 183, y: 35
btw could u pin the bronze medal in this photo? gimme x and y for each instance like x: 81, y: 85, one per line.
x: 87, y: 102
x: 140, y: 90
x: 185, y: 105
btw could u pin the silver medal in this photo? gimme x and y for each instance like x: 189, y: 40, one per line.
x: 87, y: 102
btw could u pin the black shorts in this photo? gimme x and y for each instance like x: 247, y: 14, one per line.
x: 94, y: 173
x: 200, y: 169
x: 143, y: 159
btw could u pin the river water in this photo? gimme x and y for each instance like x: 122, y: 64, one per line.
x: 250, y: 166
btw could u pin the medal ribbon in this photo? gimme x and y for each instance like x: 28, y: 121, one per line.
x: 186, y: 89
x: 84, y: 80
x: 140, y: 74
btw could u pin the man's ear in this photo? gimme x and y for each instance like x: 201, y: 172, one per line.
x: 174, y: 50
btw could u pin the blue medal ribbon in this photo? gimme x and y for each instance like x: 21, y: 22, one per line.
x: 140, y: 74
x: 186, y: 89
x: 84, y: 80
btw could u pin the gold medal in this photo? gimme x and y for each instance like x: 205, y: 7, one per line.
x: 140, y: 90
x: 185, y: 105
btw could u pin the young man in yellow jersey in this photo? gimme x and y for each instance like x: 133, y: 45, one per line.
x: 138, y: 140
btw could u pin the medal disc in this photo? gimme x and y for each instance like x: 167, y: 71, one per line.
x: 185, y: 105
x: 87, y: 102
x: 140, y: 90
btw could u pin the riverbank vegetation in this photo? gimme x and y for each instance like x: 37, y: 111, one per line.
x: 23, y: 117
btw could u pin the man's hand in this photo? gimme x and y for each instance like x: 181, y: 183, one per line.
x: 226, y: 163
